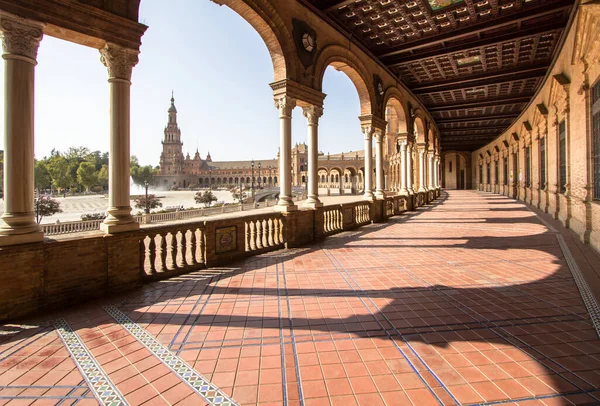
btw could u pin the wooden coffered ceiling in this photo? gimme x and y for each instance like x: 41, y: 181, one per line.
x: 474, y: 64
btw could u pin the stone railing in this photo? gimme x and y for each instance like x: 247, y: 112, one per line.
x: 362, y: 213
x: 66, y: 271
x: 332, y: 219
x: 263, y: 232
x: 389, y: 207
x: 165, y: 251
x: 71, y: 227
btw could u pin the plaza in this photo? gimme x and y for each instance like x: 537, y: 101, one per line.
x: 453, y: 260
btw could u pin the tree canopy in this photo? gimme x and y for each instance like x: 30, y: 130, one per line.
x: 206, y: 198
x: 45, y: 206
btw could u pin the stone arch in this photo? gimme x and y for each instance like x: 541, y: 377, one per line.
x: 270, y: 26
x: 431, y: 139
x: 344, y: 61
x: 393, y: 100
x: 419, y: 129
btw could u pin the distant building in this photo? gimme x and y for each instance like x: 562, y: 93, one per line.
x: 179, y: 171
x: 340, y: 173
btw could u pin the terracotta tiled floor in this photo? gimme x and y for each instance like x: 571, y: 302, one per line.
x: 469, y: 301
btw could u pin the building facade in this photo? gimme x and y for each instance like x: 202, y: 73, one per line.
x: 341, y: 173
x: 179, y: 171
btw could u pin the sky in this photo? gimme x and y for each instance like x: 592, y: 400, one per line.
x: 219, y: 70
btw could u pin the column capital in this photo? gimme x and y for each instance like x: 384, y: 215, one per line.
x: 312, y: 114
x: 367, y: 131
x: 20, y: 37
x: 379, y: 134
x: 285, y: 105
x: 119, y: 61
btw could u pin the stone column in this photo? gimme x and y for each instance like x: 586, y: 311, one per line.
x: 403, y: 165
x: 430, y: 170
x: 409, y: 168
x: 312, y: 114
x: 379, y: 192
x: 436, y: 171
x: 20, y: 41
x: 119, y: 61
x: 285, y: 105
x: 368, y: 186
x: 422, y: 170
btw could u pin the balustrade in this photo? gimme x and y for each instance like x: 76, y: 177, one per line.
x: 71, y: 227
x: 333, y: 220
x: 389, y: 207
x: 263, y: 232
x: 172, y: 250
x: 362, y: 213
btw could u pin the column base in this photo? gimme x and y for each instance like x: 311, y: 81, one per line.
x: 285, y: 208
x: 369, y: 196
x: 18, y: 239
x: 379, y: 195
x: 119, y: 227
x: 313, y: 205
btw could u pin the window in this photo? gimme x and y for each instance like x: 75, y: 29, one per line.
x: 505, y: 162
x: 528, y: 167
x: 562, y: 157
x: 542, y: 163
x: 450, y: 166
x: 596, y: 137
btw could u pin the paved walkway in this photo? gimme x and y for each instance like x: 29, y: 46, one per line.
x: 470, y: 301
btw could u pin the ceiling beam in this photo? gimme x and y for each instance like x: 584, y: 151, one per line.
x: 478, y: 29
x: 337, y: 4
x: 512, y: 36
x: 501, y: 76
x: 490, y: 80
x: 477, y: 118
x: 471, y: 129
x: 480, y: 104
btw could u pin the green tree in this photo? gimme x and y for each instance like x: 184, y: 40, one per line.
x: 76, y: 154
x: 151, y: 203
x: 45, y: 206
x: 60, y: 173
x: 206, y: 198
x: 41, y: 175
x: 237, y: 195
x: 87, y: 175
x: 103, y: 177
x: 141, y: 174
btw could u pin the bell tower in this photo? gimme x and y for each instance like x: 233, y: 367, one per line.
x: 171, y: 159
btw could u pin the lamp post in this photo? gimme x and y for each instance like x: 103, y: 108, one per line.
x: 259, y: 175
x: 146, y: 201
x: 241, y: 196
x: 252, y: 166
